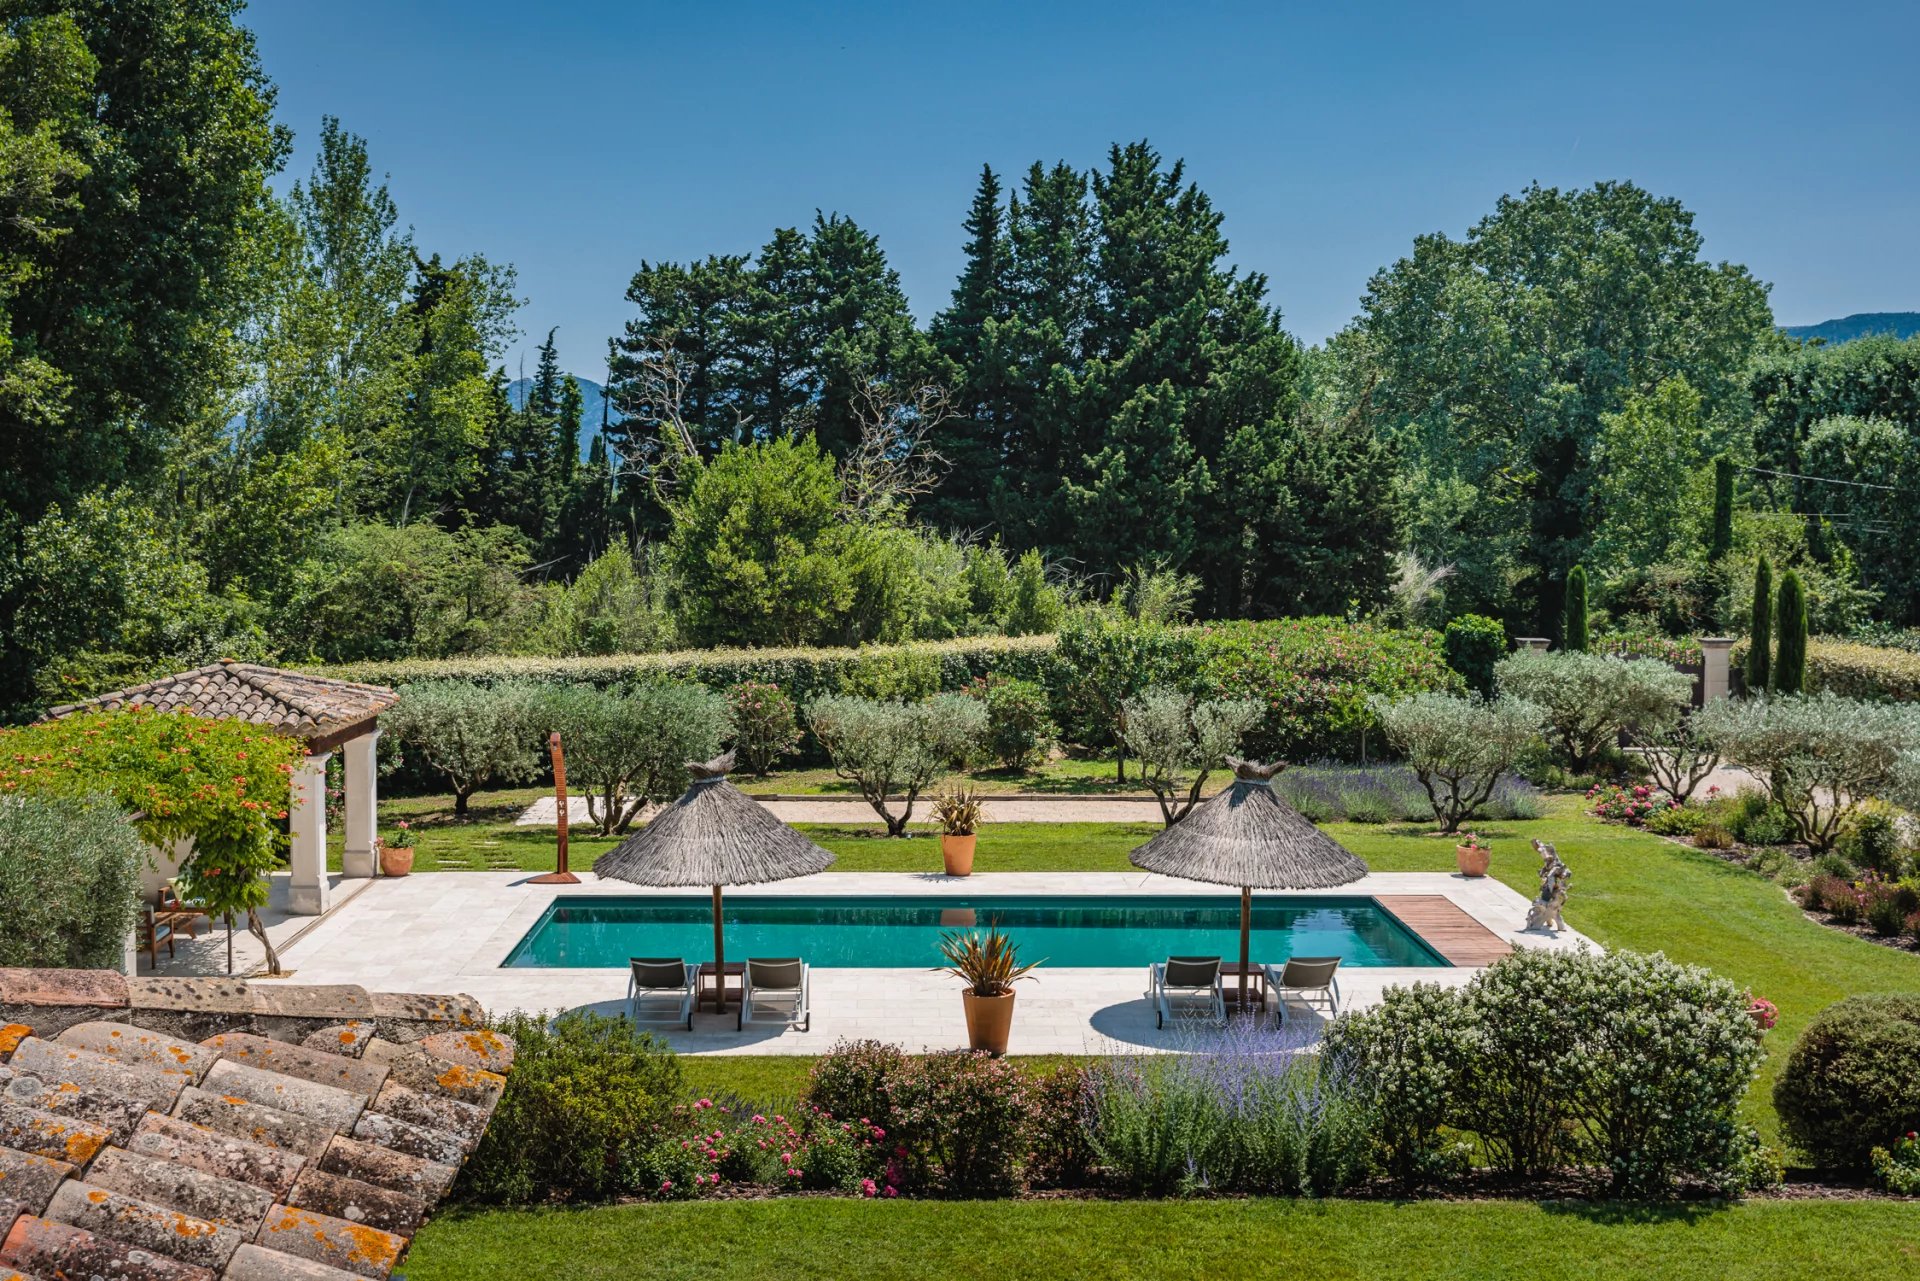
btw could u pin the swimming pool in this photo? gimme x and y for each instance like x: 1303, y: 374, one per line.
x: 903, y: 931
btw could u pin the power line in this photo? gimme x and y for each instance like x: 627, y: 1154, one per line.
x: 1822, y: 480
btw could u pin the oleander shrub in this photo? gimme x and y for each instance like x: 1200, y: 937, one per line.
x: 1849, y: 1082
x: 1020, y: 729
x: 1588, y: 700
x: 764, y: 724
x: 587, y: 1098
x: 70, y: 874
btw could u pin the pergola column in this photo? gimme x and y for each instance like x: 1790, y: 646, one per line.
x: 310, y: 892
x: 363, y: 801
x: 1715, y: 677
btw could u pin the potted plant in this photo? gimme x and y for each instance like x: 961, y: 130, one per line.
x: 989, y: 964
x: 396, y: 853
x: 959, y: 813
x: 1472, y: 856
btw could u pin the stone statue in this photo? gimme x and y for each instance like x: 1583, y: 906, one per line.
x: 1544, y: 914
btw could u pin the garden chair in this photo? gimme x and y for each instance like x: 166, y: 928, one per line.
x: 782, y: 984
x: 656, y: 984
x: 1187, y: 986
x: 175, y: 912
x: 1311, y: 978
x: 156, y: 929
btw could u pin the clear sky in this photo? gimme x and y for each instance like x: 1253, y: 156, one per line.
x: 576, y: 138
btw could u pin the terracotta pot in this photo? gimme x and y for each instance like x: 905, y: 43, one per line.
x: 957, y: 853
x: 989, y: 1021
x: 1473, y: 860
x: 395, y: 862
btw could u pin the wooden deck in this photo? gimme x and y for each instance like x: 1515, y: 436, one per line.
x: 1446, y: 928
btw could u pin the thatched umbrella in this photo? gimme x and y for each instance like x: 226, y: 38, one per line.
x: 714, y: 835
x: 1248, y: 836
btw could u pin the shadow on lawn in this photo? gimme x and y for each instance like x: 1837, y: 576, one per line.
x: 1638, y: 1213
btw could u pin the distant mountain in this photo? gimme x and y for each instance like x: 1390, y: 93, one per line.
x: 592, y: 396
x: 1901, y: 324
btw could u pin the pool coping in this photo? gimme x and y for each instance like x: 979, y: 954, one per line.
x: 1224, y: 897
x: 450, y: 931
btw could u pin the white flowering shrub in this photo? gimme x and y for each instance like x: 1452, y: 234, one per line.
x: 1590, y: 699
x: 1409, y: 1058
x: 1458, y: 747
x: 1819, y: 756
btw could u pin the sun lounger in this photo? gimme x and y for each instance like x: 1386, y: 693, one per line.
x: 1187, y: 986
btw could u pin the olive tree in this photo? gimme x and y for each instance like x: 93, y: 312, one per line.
x: 1174, y: 736
x: 629, y: 747
x: 76, y: 860
x: 1818, y: 755
x: 473, y: 734
x: 894, y: 749
x: 1588, y: 700
x: 1458, y: 747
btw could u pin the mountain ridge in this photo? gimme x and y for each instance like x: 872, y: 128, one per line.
x: 1863, y: 324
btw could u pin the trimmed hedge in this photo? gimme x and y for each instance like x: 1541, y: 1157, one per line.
x: 1849, y: 1084
x: 1874, y: 672
x: 912, y: 670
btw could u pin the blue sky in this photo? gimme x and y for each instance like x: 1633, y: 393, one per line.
x: 576, y: 139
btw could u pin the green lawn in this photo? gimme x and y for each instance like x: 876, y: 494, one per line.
x: 799, y: 1239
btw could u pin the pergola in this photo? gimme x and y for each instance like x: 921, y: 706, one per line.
x: 328, y: 715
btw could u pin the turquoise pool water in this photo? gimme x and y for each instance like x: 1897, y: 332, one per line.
x: 903, y: 932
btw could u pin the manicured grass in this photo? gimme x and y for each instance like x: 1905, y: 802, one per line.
x: 799, y: 1239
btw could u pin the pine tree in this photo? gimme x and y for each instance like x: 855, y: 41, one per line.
x: 1760, y: 637
x: 1575, y: 634
x: 864, y: 328
x: 1790, y: 659
x: 777, y: 337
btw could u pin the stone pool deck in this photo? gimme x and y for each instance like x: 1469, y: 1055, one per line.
x: 449, y: 932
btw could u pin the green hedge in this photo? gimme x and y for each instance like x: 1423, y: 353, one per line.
x: 912, y: 670
x: 1852, y: 670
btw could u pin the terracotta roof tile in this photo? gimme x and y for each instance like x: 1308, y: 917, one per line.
x: 299, y: 702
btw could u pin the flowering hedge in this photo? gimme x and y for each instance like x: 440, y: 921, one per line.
x: 223, y: 784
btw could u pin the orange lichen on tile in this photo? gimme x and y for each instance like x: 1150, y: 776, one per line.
x: 97, y: 1196
x: 371, y: 1245
x: 10, y: 1037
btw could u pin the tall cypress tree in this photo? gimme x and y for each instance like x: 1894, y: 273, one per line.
x: 1760, y: 634
x: 1720, y: 540
x: 778, y: 342
x: 969, y: 337
x: 1790, y: 660
x: 1575, y: 635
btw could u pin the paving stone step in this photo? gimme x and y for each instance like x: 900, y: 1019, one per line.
x: 335, y: 1242
x: 29, y: 1181
x: 257, y: 1263
x: 58, y: 1250
x: 255, y: 1122
x: 358, y: 1202
x: 156, y: 1087
x: 330, y: 1105
x: 225, y: 1156
x: 140, y: 1048
x: 227, y: 1202
x: 316, y: 1066
x: 46, y: 1134
x: 144, y: 1225
x: 385, y: 1168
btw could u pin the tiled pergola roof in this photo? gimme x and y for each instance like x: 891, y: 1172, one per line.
x: 323, y: 711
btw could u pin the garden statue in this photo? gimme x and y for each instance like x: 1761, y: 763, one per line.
x: 1554, y: 880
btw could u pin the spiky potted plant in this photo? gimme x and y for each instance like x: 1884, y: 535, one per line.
x: 959, y: 813
x: 989, y: 964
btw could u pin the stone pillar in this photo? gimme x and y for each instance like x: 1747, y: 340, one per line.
x: 310, y: 893
x: 1532, y: 642
x: 363, y: 805
x: 1714, y: 651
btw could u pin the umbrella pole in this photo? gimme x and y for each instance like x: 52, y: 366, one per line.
x: 719, y: 959
x: 1246, y: 940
